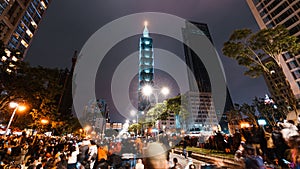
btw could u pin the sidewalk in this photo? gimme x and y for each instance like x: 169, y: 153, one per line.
x: 187, y: 161
x: 212, y: 159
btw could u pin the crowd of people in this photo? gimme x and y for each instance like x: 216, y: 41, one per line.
x: 258, y: 146
x: 255, y: 147
x: 43, y: 152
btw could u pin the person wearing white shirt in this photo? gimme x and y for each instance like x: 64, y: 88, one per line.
x: 72, y: 157
x: 92, y: 153
x: 139, y: 164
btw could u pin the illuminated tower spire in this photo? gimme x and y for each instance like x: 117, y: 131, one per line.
x: 145, y: 32
x: 146, y: 70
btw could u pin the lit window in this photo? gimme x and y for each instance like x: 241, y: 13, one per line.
x: 29, y: 33
x: 11, y: 65
x: 24, y: 43
x: 33, y: 24
x: 3, y: 59
x: 8, y: 52
x: 43, y: 4
x: 14, y: 59
x: 16, y: 35
x: 8, y: 70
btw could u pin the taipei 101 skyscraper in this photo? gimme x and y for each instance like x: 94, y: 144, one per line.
x: 146, y: 69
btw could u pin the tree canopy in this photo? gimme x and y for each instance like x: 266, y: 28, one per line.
x: 39, y: 89
x: 253, y: 50
x: 260, y: 53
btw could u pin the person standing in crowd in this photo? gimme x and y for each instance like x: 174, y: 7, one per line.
x: 92, y: 153
x: 177, y: 165
x: 184, y: 146
x: 239, y: 159
x: 156, y: 156
x: 293, y: 153
x: 139, y: 164
x: 102, y: 155
x: 270, y: 153
x: 237, y: 138
x: 252, y: 161
x: 280, y: 145
x: 72, y: 157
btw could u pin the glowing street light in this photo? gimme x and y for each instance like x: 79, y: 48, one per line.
x: 44, y: 121
x: 133, y: 113
x: 165, y: 91
x: 147, y: 90
x: 16, y: 107
x: 87, y: 128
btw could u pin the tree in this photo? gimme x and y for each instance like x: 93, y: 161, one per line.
x: 268, y: 111
x: 234, y: 116
x: 258, y: 109
x: 136, y: 127
x: 40, y: 88
x: 260, y: 53
x: 178, y: 105
x: 250, y: 112
x: 9, y: 64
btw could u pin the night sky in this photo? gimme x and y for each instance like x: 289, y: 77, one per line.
x: 69, y: 23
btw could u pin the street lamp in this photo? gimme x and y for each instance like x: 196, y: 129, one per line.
x: 44, y: 122
x: 80, y: 132
x: 147, y: 90
x: 86, y: 129
x: 165, y: 91
x: 134, y: 113
x: 16, y: 107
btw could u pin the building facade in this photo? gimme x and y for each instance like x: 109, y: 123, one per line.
x: 96, y: 115
x: 199, y: 72
x: 19, y: 20
x: 268, y: 14
x: 146, y: 68
x: 202, y: 116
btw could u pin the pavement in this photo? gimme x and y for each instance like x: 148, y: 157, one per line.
x: 185, y: 162
x: 204, y: 159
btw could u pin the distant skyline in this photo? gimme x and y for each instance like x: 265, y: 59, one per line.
x: 68, y: 24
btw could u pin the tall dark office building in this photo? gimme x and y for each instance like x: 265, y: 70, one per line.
x: 146, y: 70
x: 19, y: 20
x: 198, y: 70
